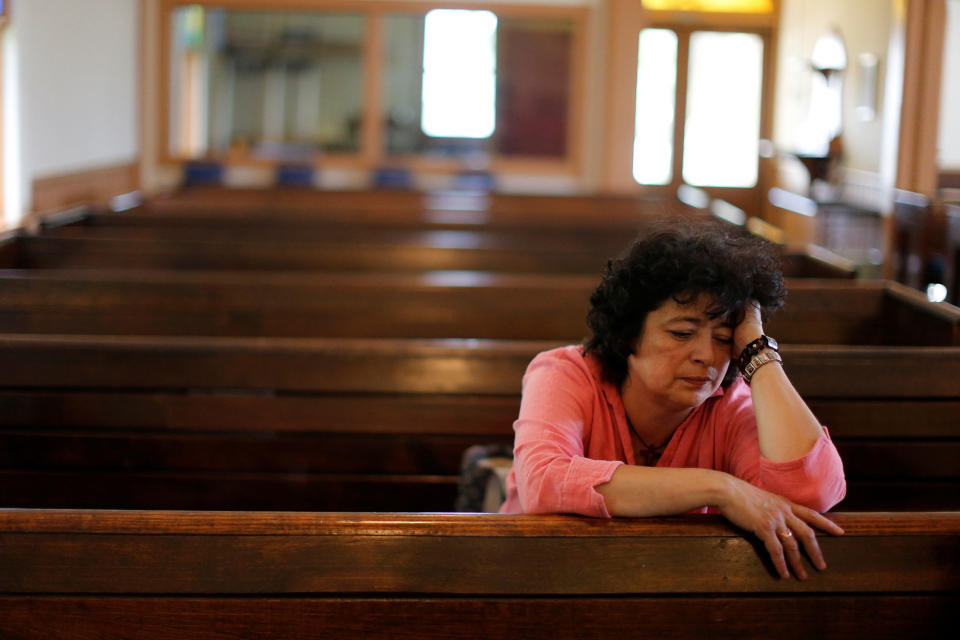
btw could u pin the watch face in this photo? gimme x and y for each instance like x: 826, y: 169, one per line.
x: 771, y: 343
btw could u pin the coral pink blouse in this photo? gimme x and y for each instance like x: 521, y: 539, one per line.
x: 572, y: 434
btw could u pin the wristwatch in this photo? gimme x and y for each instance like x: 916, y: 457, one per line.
x: 762, y: 343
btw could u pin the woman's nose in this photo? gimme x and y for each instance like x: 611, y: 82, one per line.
x: 703, y: 350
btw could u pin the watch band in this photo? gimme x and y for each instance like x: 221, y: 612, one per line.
x: 764, y: 357
x: 755, y: 347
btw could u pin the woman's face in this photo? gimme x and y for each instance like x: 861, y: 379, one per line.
x: 681, y: 356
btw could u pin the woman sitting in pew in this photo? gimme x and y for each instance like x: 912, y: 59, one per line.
x: 679, y: 402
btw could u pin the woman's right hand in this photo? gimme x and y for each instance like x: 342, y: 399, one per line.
x: 780, y: 524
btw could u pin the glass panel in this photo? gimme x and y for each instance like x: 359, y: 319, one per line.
x: 722, y: 129
x: 402, y: 83
x: 531, y: 71
x: 731, y: 6
x: 280, y: 84
x: 656, y: 98
x: 533, y: 86
x: 459, y: 74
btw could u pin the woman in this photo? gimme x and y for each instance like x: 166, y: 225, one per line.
x: 651, y: 416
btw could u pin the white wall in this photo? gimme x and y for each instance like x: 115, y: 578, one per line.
x: 865, y: 26
x: 76, y: 87
x: 948, y: 143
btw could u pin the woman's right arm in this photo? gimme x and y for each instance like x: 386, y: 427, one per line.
x: 780, y: 524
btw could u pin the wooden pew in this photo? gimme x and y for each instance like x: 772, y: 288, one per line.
x: 415, y: 230
x: 42, y: 252
x: 951, y: 217
x: 390, y: 205
x: 339, y: 226
x: 206, y: 576
x: 910, y: 237
x: 441, y: 251
x: 271, y: 423
x: 428, y: 305
x: 604, y: 240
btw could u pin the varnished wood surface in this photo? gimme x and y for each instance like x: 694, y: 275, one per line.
x: 82, y: 410
x: 184, y: 553
x: 410, y: 366
x: 868, y: 524
x: 49, y: 252
x: 432, y: 304
x: 485, y: 416
x: 288, y: 490
x: 41, y: 252
x: 422, y: 231
x: 606, y: 237
x: 113, y: 618
x: 389, y: 205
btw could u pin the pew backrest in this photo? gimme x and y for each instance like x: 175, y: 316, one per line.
x: 179, y: 575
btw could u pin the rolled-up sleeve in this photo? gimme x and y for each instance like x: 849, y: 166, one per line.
x: 552, y: 473
x: 815, y: 480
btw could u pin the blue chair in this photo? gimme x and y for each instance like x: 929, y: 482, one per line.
x: 474, y: 181
x: 295, y: 175
x: 392, y: 178
x: 203, y: 174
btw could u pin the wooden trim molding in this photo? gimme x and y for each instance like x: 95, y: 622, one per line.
x: 91, y: 186
x: 920, y: 111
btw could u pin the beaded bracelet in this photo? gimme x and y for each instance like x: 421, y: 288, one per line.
x: 762, y: 358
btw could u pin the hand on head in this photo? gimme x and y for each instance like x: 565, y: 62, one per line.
x: 749, y: 329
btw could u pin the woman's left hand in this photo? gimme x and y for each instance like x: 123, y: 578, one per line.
x: 749, y: 329
x: 783, y: 526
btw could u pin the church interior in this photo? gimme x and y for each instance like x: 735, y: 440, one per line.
x: 272, y: 273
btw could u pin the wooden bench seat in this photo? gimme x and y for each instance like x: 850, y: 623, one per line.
x: 200, y: 576
x: 426, y: 229
x: 148, y: 422
x: 388, y: 205
x: 427, y: 305
x: 417, y: 229
x: 80, y: 251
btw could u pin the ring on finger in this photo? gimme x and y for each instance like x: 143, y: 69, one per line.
x: 785, y: 534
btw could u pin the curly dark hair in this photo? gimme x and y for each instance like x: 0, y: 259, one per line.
x: 680, y: 258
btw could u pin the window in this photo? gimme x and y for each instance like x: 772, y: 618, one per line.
x: 452, y: 87
x: 459, y: 74
x: 722, y: 131
x: 719, y: 131
x: 656, y: 93
x: 513, y: 95
x: 276, y: 84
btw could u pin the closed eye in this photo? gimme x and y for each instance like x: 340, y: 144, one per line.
x: 681, y: 335
x: 724, y: 339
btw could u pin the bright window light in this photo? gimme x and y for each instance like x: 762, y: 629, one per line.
x: 656, y: 91
x: 722, y: 131
x: 459, y: 74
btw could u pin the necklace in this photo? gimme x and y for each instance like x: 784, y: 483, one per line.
x: 650, y: 455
